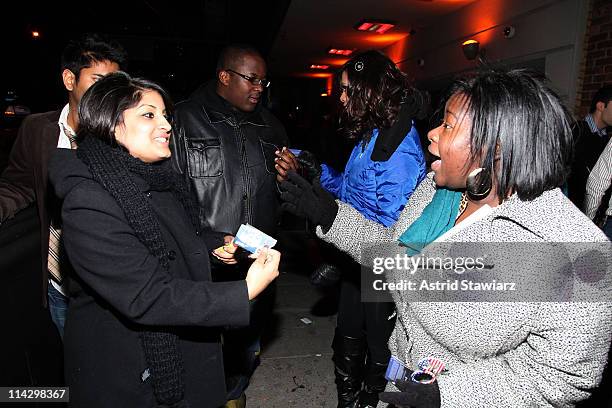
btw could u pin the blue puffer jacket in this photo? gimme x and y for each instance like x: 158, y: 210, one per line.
x: 378, y: 189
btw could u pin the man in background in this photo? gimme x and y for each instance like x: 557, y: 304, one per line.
x: 229, y: 148
x: 598, y: 184
x: 590, y: 138
x: 24, y: 181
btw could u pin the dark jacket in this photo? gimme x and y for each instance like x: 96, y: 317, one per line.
x: 24, y: 181
x: 588, y: 146
x: 120, y: 288
x: 228, y: 157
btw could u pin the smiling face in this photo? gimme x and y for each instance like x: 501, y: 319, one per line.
x: 238, y: 91
x: 145, y: 131
x: 450, y: 142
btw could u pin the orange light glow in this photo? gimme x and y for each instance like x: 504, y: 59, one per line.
x: 315, y: 75
x: 35, y: 34
x: 324, y: 94
x: 384, y: 28
x: 486, y: 16
x: 385, y: 38
x: 318, y: 66
x: 396, y: 51
x: 470, y: 42
x: 338, y: 51
x: 334, y: 62
x: 374, y: 26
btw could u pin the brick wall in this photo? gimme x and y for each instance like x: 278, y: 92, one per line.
x: 596, y: 67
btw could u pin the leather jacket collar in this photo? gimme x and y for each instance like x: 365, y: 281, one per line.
x: 220, y: 110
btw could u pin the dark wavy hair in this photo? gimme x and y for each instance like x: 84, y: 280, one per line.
x: 521, y: 131
x: 102, y: 106
x: 376, y: 90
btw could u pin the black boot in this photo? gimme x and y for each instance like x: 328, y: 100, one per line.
x: 374, y: 383
x: 349, y: 359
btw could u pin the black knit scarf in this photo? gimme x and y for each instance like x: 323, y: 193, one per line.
x: 113, y: 167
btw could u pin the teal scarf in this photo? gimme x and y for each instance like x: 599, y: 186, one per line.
x: 438, y: 217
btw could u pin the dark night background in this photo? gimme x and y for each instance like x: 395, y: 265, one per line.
x: 174, y: 43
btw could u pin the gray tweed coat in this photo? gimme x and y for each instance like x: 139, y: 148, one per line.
x: 503, y: 354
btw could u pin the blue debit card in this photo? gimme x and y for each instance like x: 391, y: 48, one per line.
x: 251, y: 248
x: 252, y: 239
x: 296, y: 152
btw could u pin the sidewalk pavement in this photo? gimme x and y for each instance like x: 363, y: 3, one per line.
x: 296, y: 368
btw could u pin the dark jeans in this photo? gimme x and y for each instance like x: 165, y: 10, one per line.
x: 607, y: 229
x: 58, y: 305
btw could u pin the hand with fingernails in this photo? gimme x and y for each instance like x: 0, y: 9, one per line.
x: 263, y: 271
x: 226, y: 253
x: 285, y: 162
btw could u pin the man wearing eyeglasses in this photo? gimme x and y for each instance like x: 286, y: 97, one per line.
x: 229, y: 148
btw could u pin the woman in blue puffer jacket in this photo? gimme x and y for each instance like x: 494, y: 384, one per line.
x: 383, y: 170
x: 378, y: 189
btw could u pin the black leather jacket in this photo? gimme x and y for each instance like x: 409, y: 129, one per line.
x: 228, y: 158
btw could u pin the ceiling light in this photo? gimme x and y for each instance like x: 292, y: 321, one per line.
x: 318, y: 66
x: 339, y: 51
x: 470, y: 49
x: 373, y: 26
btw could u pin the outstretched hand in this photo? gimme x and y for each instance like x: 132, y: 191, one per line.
x: 262, y: 271
x: 308, y: 200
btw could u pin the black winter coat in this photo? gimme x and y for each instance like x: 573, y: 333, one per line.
x: 588, y: 146
x: 120, y: 288
x: 228, y: 157
x: 24, y: 180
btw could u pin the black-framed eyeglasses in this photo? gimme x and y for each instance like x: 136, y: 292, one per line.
x: 254, y: 80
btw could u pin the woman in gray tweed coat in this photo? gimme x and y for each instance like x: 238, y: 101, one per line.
x: 503, y: 149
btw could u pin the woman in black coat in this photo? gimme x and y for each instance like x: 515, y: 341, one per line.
x: 141, y: 325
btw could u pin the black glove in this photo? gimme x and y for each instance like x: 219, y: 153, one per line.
x: 413, y: 395
x: 310, y: 166
x: 308, y: 200
x: 326, y: 275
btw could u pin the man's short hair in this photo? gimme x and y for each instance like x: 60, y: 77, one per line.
x: 84, y: 51
x: 604, y: 94
x: 234, y: 52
